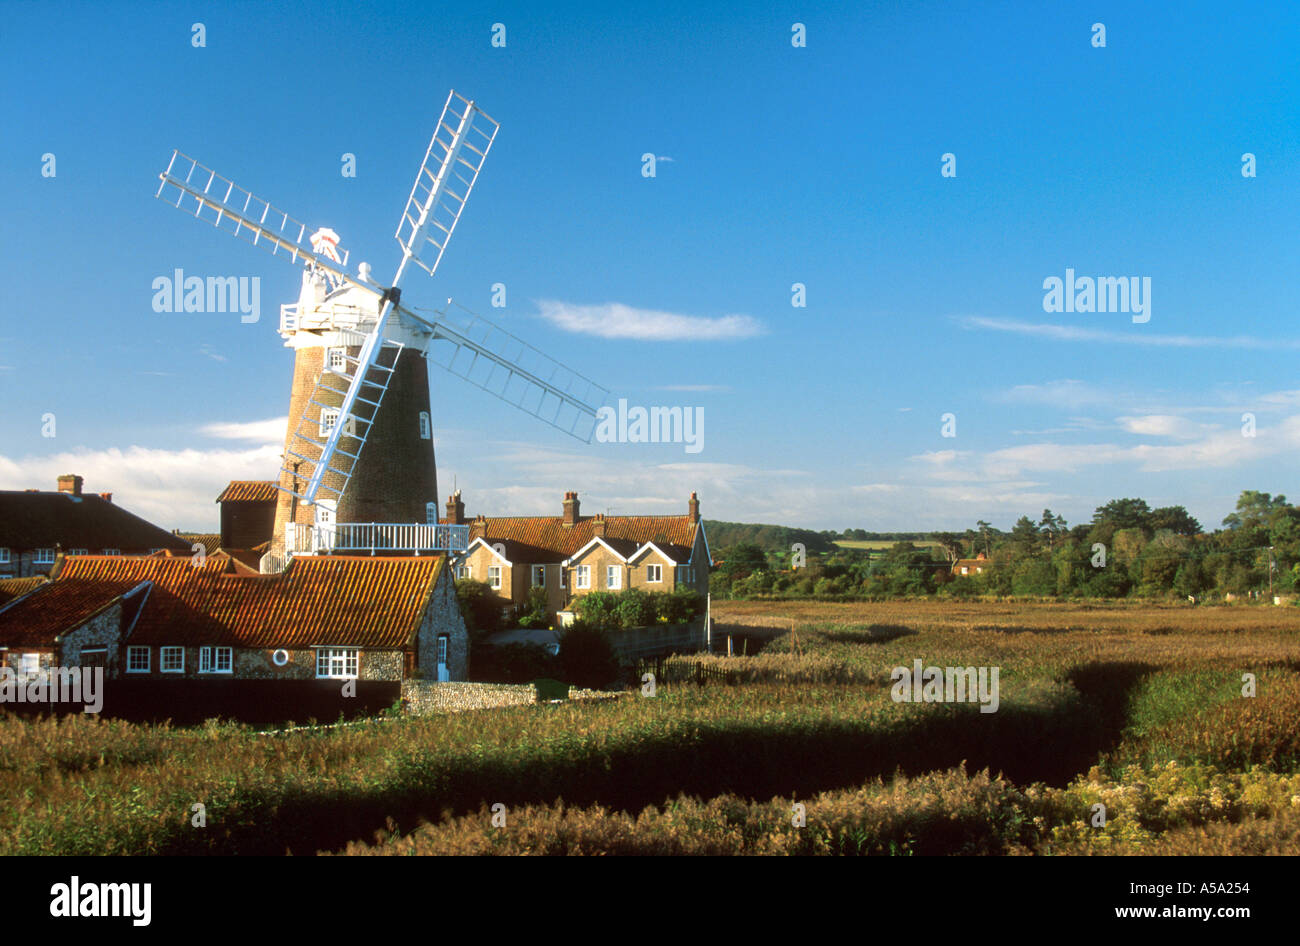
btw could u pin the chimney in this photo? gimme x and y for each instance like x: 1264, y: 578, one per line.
x: 694, y: 508
x: 70, y: 483
x: 455, y: 509
x: 598, y: 526
x: 478, y: 528
x: 570, y: 508
x: 106, y: 497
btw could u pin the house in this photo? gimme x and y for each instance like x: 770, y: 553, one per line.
x: 36, y: 525
x: 570, y: 555
x: 335, y: 617
x: 971, y: 566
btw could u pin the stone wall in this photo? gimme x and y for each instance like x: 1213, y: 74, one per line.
x: 103, y: 630
x: 426, y: 698
x: 443, y: 617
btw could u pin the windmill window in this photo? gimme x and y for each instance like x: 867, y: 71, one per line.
x: 425, y: 433
x: 430, y: 514
x: 329, y: 416
x: 337, y: 359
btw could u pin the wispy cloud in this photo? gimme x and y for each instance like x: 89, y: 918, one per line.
x: 207, y: 350
x: 256, y: 431
x: 1074, y: 333
x: 615, y: 320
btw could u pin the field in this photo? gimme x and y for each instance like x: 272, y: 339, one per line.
x: 798, y: 749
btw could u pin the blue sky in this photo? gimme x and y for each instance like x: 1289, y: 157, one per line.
x: 818, y: 165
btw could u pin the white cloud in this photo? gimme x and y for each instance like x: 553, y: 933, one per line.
x: 173, y: 489
x: 1163, y: 425
x: 1074, y: 333
x: 260, y: 431
x: 615, y: 320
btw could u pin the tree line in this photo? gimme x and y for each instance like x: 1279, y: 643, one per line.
x: 1128, y: 549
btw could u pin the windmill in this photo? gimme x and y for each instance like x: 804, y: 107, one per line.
x: 358, y: 465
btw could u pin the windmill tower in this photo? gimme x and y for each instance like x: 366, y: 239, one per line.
x: 358, y: 466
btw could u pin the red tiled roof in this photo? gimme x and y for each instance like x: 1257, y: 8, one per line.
x: 547, y: 539
x: 37, y: 619
x: 249, y: 491
x: 11, y: 588
x: 319, y: 601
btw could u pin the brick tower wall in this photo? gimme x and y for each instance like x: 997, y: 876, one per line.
x: 396, y: 475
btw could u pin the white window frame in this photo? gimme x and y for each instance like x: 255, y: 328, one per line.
x: 582, y: 577
x: 564, y: 577
x: 494, y: 577
x: 4, y: 556
x: 430, y: 514
x: 536, y: 569
x: 134, y: 651
x: 462, y: 572
x: 613, y: 577
x: 426, y: 428
x: 339, y: 663
x: 112, y: 551
x: 211, y: 660
x: 78, y: 551
x: 342, y: 366
x: 30, y: 665
x: 43, y: 557
x: 654, y: 574
x: 169, y: 650
x: 329, y: 416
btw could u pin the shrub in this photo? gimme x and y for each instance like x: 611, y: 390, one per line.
x: 678, y: 606
x: 634, y: 608
x: 479, y: 606
x: 519, y: 662
x: 587, y: 656
x: 598, y: 608
x: 534, y: 611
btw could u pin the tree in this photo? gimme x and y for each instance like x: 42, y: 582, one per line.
x: 951, y: 545
x: 984, y: 531
x: 1254, y: 510
x: 1175, y: 519
x: 742, y: 559
x: 1025, y: 534
x: 1124, y: 514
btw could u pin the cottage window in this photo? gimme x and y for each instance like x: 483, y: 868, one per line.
x: 44, y: 556
x: 214, y: 659
x: 613, y: 576
x: 462, y: 571
x: 583, y: 577
x: 654, y: 573
x: 564, y: 577
x: 137, y: 660
x: 31, y: 665
x: 94, y: 657
x: 78, y: 552
x: 4, y: 556
x: 539, y: 576
x: 112, y: 551
x: 494, y: 576
x: 337, y: 663
x: 172, y: 660
x: 444, y: 668
x: 425, y: 433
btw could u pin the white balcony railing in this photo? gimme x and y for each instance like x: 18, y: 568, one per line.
x: 374, y: 537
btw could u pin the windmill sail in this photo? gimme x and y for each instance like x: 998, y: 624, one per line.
x: 193, y: 188
x: 473, y: 348
x: 459, y: 146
